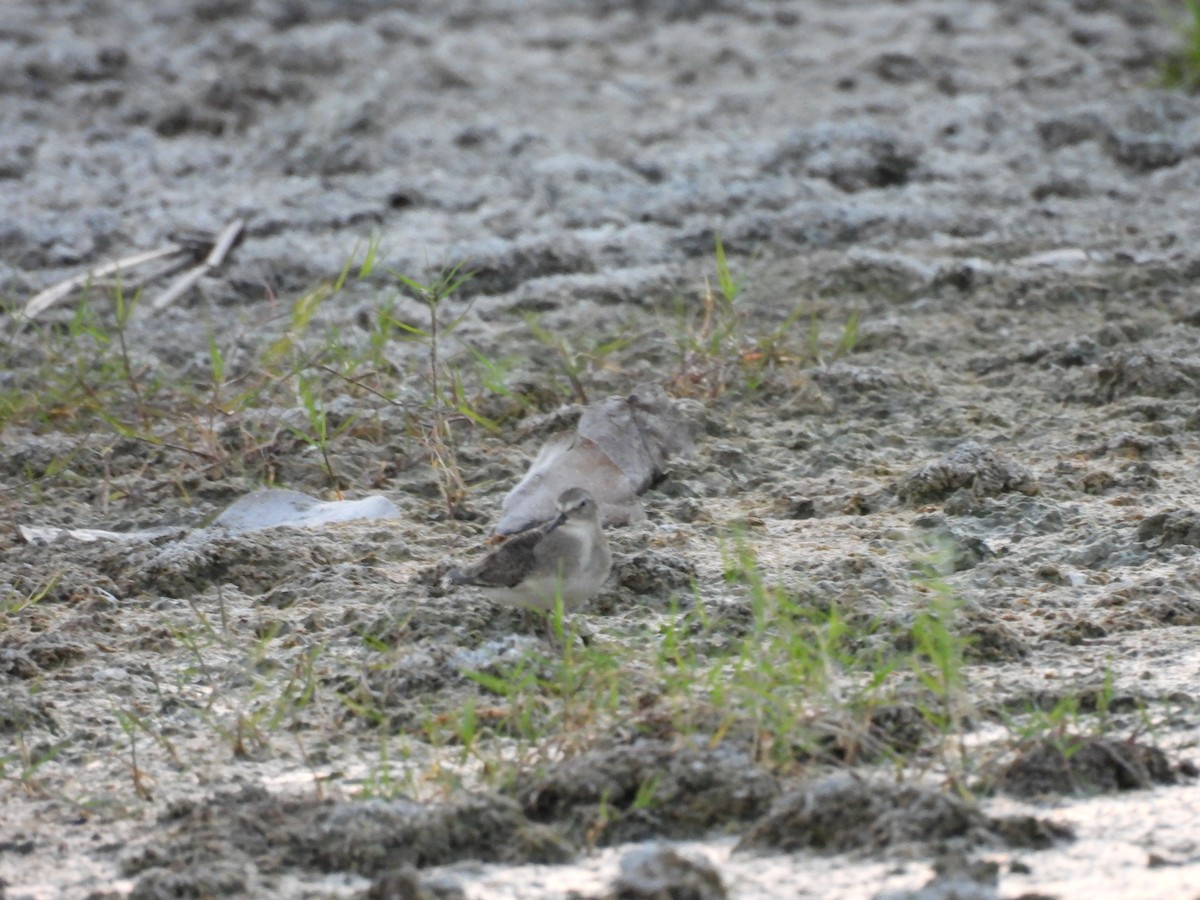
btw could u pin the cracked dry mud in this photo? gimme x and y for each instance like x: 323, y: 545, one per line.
x: 997, y: 191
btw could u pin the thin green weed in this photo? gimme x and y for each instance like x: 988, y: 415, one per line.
x: 720, y: 345
x: 445, y: 398
x: 1181, y: 69
x: 573, y: 363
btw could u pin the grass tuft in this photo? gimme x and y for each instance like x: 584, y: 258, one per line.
x: 719, y: 346
x: 1181, y: 69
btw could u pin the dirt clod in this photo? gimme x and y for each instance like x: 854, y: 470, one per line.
x: 970, y: 465
x: 368, y: 838
x: 841, y: 814
x: 1089, y: 766
x: 648, y: 789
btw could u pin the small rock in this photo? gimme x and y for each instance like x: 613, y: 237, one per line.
x: 1143, y: 154
x: 654, y: 872
x: 899, y: 68
x: 406, y: 883
x: 653, y: 572
x: 970, y: 465
x: 1176, y: 526
x: 1165, y: 372
x: 618, y: 451
x: 1067, y: 130
x: 795, y: 508
x: 957, y: 877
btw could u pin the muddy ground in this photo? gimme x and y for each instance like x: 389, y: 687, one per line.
x: 961, y: 376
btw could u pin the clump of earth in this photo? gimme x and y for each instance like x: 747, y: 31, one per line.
x: 922, y: 276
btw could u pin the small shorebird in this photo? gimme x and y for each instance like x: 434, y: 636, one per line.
x: 567, y: 556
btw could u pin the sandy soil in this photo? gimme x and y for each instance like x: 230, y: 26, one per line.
x: 973, y: 226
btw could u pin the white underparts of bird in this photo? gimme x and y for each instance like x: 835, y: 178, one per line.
x: 567, y: 556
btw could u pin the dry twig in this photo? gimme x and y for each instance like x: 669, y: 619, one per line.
x: 174, y: 255
x: 42, y: 301
x: 221, y: 247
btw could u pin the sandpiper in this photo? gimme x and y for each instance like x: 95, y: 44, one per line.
x: 567, y: 556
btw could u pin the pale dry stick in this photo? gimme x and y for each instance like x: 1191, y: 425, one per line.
x: 42, y: 301
x: 165, y: 267
x: 221, y: 247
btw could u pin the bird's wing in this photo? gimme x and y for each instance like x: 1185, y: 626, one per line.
x: 509, y: 563
x: 555, y: 544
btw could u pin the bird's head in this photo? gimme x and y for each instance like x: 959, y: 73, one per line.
x: 575, y: 505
